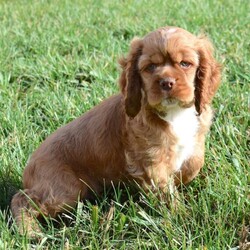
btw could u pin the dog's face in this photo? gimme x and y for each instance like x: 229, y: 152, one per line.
x: 172, y: 67
x: 168, y: 66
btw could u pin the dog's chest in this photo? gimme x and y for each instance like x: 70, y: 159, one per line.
x: 184, y: 125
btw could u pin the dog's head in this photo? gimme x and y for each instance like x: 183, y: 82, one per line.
x: 172, y: 68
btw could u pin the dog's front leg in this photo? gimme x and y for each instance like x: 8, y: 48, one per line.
x: 160, y: 181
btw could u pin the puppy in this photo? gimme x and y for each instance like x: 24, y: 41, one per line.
x: 152, y: 132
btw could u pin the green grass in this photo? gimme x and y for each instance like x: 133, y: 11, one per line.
x: 59, y: 58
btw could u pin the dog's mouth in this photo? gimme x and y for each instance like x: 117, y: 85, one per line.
x: 165, y: 105
x: 169, y: 104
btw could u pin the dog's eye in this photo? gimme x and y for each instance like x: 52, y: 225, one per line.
x: 185, y: 65
x: 151, y: 67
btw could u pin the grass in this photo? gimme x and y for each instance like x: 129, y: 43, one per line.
x: 59, y: 58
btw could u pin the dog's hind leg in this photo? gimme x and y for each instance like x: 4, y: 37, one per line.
x: 26, y: 208
x: 46, y: 198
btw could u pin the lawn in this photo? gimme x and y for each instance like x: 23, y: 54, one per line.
x: 59, y: 58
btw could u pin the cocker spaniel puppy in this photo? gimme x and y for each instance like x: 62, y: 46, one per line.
x: 152, y: 132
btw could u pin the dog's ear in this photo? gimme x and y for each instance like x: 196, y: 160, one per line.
x: 207, y: 76
x: 130, y: 79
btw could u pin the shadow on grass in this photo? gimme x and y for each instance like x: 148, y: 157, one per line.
x: 8, y: 187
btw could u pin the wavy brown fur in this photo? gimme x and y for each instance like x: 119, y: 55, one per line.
x: 128, y: 136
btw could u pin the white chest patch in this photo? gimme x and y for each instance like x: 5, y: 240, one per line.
x: 184, y: 124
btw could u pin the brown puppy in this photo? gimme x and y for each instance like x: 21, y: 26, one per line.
x: 152, y: 132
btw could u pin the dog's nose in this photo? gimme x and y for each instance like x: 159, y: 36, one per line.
x: 167, y: 83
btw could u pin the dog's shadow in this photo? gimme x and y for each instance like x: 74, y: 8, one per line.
x: 105, y: 203
x: 122, y: 195
x: 8, y: 187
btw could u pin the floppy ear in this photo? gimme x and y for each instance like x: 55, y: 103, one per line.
x: 130, y: 79
x: 207, y: 76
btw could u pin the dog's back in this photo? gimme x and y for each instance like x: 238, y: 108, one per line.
x: 73, y: 161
